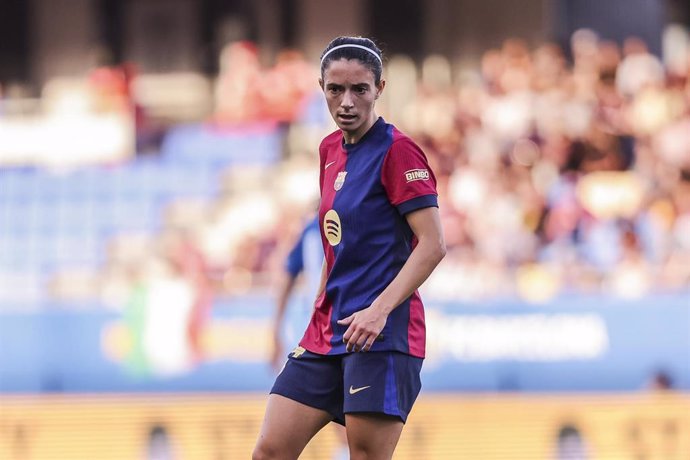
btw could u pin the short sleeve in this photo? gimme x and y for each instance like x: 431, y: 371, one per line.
x: 409, y: 182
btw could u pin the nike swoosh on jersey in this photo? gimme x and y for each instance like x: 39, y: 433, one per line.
x: 328, y: 164
x: 357, y: 390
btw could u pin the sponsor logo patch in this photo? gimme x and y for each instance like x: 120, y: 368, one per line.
x: 416, y: 174
x: 331, y: 227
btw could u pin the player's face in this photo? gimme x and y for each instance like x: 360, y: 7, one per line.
x: 351, y: 94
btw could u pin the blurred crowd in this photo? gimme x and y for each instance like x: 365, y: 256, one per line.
x: 559, y: 171
x: 247, y: 91
x: 561, y: 175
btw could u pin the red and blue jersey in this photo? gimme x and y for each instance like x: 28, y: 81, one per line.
x: 367, y: 188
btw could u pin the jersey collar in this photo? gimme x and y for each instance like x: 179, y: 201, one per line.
x: 378, y: 126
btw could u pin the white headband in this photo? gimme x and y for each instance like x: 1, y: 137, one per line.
x: 351, y: 45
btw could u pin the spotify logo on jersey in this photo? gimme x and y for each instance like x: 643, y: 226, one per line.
x: 331, y: 227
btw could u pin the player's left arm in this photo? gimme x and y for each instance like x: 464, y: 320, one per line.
x: 365, y: 325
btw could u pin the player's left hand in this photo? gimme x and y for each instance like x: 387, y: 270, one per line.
x: 364, y: 327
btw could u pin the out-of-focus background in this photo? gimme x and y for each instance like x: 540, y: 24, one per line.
x: 158, y: 158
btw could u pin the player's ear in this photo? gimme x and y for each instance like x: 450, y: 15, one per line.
x: 321, y: 83
x: 379, y: 88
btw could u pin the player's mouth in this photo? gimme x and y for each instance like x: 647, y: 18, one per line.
x: 346, y: 117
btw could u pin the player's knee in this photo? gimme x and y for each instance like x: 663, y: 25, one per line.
x: 367, y: 453
x: 265, y: 451
x: 369, y: 448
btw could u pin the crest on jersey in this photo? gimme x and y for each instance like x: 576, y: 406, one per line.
x: 340, y: 180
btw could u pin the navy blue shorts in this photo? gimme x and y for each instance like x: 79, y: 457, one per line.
x: 384, y: 382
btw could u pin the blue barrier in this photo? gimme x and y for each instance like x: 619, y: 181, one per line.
x: 573, y: 344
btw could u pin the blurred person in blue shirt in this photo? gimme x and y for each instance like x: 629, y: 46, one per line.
x: 305, y: 258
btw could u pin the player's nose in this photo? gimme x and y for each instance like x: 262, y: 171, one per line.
x: 347, y: 101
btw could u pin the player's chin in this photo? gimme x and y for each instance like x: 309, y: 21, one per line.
x: 348, y: 127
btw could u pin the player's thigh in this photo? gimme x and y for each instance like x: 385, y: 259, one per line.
x: 287, y: 428
x: 372, y: 436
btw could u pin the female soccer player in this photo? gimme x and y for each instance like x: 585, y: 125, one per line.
x: 359, y: 361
